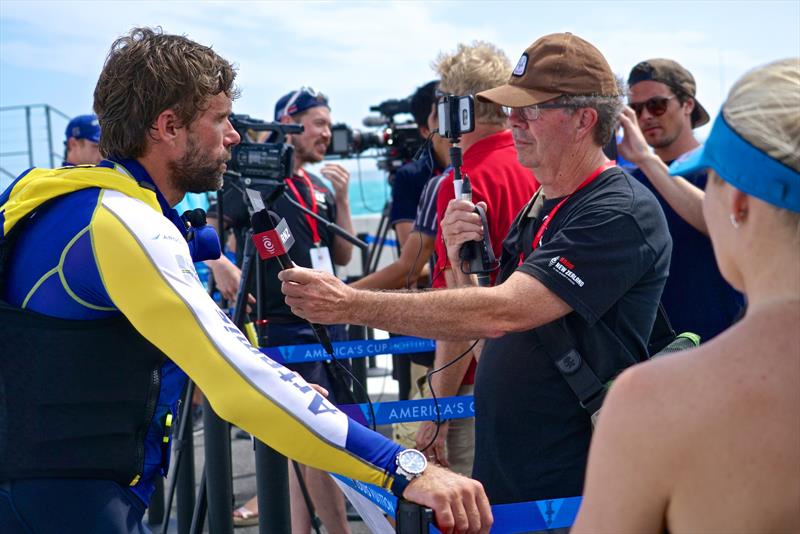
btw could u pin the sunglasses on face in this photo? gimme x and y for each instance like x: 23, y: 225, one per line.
x: 656, y: 105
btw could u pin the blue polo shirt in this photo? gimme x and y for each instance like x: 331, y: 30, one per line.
x: 409, y: 181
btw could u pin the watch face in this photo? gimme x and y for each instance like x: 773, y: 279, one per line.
x: 412, y: 461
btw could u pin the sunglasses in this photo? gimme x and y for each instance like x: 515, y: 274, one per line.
x: 656, y: 105
x: 532, y: 113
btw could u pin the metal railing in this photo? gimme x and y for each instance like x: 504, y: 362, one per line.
x: 26, y: 138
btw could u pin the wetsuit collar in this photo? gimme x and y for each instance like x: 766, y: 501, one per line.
x: 142, y: 177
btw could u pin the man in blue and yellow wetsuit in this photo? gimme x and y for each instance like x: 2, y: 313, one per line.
x: 102, y: 317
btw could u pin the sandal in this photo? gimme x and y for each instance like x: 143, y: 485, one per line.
x: 244, y: 517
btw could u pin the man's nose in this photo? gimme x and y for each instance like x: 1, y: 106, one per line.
x: 516, y: 120
x: 232, y: 137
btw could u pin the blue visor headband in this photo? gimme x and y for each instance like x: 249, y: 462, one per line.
x: 744, y: 166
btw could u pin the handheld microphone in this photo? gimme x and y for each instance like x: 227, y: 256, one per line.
x: 274, y: 241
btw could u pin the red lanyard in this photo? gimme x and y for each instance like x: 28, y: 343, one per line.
x: 549, y: 217
x: 312, y: 222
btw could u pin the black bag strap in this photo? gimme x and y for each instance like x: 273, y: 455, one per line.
x: 663, y: 334
x: 581, y: 378
x: 557, y: 342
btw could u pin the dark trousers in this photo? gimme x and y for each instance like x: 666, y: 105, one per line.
x: 66, y: 506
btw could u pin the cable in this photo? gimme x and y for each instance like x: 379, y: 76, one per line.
x: 433, y: 394
x: 367, y: 207
x: 416, y: 259
x: 355, y: 380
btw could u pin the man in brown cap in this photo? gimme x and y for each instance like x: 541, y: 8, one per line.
x: 581, y: 273
x: 662, y: 101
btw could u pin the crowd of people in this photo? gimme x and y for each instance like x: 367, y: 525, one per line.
x: 591, y: 256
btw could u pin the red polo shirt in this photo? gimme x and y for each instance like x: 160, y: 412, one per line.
x: 498, y: 179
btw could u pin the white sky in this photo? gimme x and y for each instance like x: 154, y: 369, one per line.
x: 361, y: 53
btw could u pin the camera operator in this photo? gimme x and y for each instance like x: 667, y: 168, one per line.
x: 409, y: 182
x: 412, y: 177
x: 588, y: 254
x: 102, y: 314
x: 317, y: 247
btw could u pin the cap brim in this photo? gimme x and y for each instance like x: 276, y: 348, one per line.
x: 515, y: 97
x: 702, y: 115
x: 694, y: 162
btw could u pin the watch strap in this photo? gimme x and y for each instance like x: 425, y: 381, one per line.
x: 399, y: 485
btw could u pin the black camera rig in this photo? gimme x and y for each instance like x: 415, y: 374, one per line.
x: 397, y: 142
x: 273, y: 159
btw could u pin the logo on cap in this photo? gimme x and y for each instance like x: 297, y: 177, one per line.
x: 522, y: 64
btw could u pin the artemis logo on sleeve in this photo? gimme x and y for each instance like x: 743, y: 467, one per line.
x: 564, y: 267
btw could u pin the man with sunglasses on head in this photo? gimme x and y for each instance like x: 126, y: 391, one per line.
x: 581, y: 272
x: 696, y: 297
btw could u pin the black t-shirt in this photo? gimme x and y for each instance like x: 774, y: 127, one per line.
x: 606, y: 253
x: 237, y: 216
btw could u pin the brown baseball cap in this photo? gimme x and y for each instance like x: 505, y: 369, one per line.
x: 672, y: 74
x: 555, y: 65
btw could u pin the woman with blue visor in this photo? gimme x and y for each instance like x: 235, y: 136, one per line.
x: 708, y: 440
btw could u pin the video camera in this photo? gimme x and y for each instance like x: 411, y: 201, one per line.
x: 398, y: 142
x: 273, y: 159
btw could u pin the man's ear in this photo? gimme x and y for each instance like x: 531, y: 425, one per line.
x: 587, y: 118
x: 287, y: 119
x: 688, y: 106
x: 166, y: 127
x: 72, y: 144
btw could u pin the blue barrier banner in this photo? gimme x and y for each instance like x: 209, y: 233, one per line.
x: 361, y: 348
x: 387, y: 413
x: 535, y: 515
x: 370, y: 239
x: 508, y: 518
x: 384, y: 499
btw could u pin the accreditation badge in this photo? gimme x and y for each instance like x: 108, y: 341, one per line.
x: 321, y: 259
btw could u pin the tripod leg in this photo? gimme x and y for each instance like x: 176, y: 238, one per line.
x: 272, y: 481
x: 248, y: 266
x: 180, y: 448
x: 312, y: 514
x: 219, y: 482
x: 380, y: 234
x: 200, y: 507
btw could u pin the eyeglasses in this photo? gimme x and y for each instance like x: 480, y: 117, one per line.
x: 656, y: 105
x: 532, y: 113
